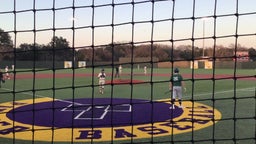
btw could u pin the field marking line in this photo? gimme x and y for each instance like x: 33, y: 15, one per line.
x: 226, y: 91
x: 185, y: 95
x: 40, y: 96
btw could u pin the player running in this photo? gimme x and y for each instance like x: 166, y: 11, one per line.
x: 176, y: 84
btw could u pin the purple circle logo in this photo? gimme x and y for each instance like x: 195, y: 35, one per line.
x: 100, y: 119
x: 96, y: 113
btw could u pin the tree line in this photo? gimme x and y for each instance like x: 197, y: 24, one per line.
x: 59, y: 49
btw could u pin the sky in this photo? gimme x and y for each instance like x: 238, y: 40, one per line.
x: 103, y: 15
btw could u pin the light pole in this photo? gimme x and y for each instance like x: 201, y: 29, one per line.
x: 203, y: 34
x: 204, y: 19
x: 73, y: 19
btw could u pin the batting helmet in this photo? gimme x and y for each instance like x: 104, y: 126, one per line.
x: 176, y: 70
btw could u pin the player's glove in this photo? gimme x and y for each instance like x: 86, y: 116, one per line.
x: 185, y: 89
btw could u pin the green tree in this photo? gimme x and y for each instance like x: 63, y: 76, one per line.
x: 59, y: 49
x: 5, y: 38
x: 117, y: 50
x: 6, y: 45
x: 85, y: 54
x: 26, y: 51
x: 142, y: 51
x: 159, y: 51
x: 59, y: 43
x: 252, y: 54
x: 184, y: 52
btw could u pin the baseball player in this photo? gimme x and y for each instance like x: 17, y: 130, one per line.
x: 117, y: 72
x: 2, y: 80
x: 120, y: 69
x: 7, y: 72
x: 102, y: 77
x: 176, y: 84
x: 145, y: 70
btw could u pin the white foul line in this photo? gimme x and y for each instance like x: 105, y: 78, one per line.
x: 201, y: 94
x: 40, y: 96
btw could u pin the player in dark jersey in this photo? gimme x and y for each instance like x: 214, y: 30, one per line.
x: 2, y: 78
x: 176, y: 84
x: 117, y: 73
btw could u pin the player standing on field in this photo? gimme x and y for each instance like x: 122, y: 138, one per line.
x: 2, y: 80
x: 102, y: 77
x: 117, y: 72
x: 175, y: 86
x: 7, y: 72
x: 145, y: 70
x: 120, y: 69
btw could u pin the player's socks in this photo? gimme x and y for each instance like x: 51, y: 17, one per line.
x: 172, y: 107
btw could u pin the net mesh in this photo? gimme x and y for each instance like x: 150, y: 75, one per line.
x: 107, y: 34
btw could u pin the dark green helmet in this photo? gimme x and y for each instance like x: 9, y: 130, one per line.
x: 176, y: 70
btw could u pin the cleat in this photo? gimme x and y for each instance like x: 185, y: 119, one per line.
x: 181, y: 106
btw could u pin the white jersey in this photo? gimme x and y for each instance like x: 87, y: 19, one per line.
x: 6, y: 69
x: 145, y: 70
x: 120, y: 69
x: 102, y: 76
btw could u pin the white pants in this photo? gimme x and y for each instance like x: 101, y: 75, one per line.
x: 177, y: 92
x: 101, y: 83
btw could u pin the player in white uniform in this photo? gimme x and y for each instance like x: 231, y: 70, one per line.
x: 120, y: 69
x: 145, y: 70
x: 102, y: 77
x: 7, y: 72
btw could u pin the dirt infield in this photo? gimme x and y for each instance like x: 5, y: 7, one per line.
x: 124, y: 81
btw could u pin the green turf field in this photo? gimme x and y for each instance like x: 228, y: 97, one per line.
x: 235, y: 99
